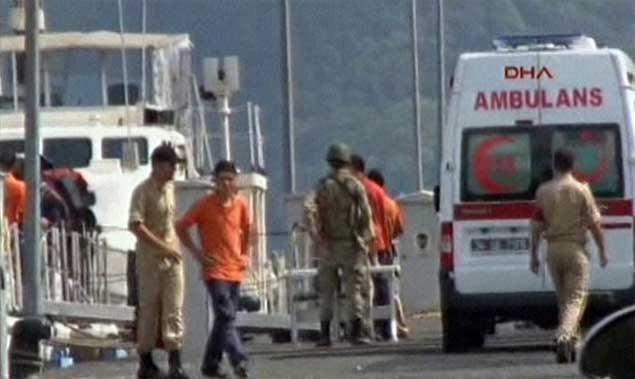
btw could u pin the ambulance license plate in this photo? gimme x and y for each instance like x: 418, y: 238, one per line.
x: 487, y: 246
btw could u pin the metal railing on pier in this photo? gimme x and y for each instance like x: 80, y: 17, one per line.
x: 79, y: 276
x: 303, y: 292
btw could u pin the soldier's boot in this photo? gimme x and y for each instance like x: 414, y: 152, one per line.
x: 147, y: 368
x: 357, y: 333
x: 574, y: 350
x: 176, y: 369
x: 325, y: 334
x: 565, y: 350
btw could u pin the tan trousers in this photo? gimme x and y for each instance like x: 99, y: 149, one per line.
x: 160, y: 304
x: 353, y: 262
x: 368, y: 294
x: 570, y: 272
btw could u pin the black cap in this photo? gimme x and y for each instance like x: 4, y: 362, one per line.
x: 165, y: 153
x: 225, y: 166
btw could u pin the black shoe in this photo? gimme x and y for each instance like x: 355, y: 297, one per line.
x: 217, y: 373
x: 152, y: 372
x: 323, y: 342
x: 176, y: 369
x: 382, y: 330
x: 325, y: 334
x: 565, y: 351
x: 240, y: 370
x: 148, y: 369
x: 177, y: 373
x: 357, y: 336
x: 572, y: 351
x: 361, y: 341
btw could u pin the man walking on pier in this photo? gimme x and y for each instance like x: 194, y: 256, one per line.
x: 224, y: 225
x: 159, y: 267
x: 566, y: 209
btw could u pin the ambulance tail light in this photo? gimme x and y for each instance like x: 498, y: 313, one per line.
x: 447, y: 246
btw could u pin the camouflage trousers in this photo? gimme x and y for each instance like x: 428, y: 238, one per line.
x: 569, y: 267
x: 347, y: 257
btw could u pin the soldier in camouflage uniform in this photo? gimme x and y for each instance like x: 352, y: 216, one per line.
x: 344, y: 230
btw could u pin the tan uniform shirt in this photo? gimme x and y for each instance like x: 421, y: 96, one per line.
x: 566, y: 208
x: 155, y: 207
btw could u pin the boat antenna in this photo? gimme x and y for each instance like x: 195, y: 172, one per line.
x: 144, y: 22
x: 124, y: 67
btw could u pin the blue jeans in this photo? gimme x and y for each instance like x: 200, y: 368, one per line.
x: 224, y: 335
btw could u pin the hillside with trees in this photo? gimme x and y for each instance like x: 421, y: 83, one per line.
x: 353, y: 74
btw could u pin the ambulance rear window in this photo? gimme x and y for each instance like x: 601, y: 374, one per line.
x: 596, y: 153
x: 498, y: 163
x: 504, y: 163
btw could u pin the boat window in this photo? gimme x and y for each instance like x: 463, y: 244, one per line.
x: 112, y: 148
x: 75, y: 78
x: 12, y: 146
x: 509, y: 163
x: 68, y: 152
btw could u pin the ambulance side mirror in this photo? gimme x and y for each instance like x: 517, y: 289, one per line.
x: 609, y: 347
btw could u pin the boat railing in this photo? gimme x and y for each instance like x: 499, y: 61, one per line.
x: 78, y: 276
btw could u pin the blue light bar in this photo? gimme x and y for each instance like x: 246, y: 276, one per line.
x: 574, y: 40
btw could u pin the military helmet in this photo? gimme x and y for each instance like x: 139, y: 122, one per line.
x: 338, y: 152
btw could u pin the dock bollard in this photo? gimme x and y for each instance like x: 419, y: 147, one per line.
x: 25, y: 361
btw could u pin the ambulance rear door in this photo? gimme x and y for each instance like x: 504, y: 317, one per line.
x: 495, y: 175
x: 587, y: 112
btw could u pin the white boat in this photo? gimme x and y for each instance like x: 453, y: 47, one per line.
x: 93, y: 139
x: 107, y: 133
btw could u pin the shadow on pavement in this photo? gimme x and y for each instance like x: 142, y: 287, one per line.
x: 431, y: 348
x: 353, y: 351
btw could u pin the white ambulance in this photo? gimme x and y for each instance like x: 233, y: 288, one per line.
x: 509, y: 110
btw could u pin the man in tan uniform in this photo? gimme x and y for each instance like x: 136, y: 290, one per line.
x: 159, y: 267
x: 344, y: 225
x: 565, y: 211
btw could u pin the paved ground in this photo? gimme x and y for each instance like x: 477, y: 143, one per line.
x: 511, y: 354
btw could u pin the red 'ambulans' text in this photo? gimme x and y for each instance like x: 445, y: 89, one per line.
x: 540, y: 98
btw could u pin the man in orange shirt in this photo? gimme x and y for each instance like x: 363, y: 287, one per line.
x: 380, y: 254
x: 395, y: 225
x: 14, y: 188
x: 224, y: 224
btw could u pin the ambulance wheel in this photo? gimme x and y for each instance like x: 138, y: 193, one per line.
x: 454, y: 334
